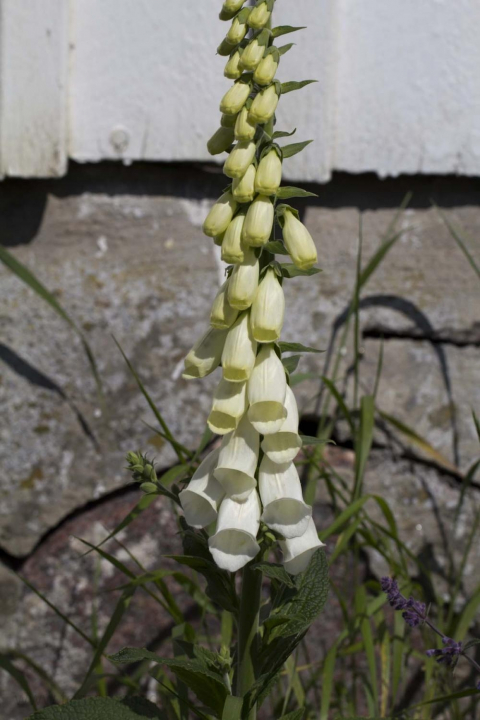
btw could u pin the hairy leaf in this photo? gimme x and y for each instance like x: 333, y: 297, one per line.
x: 313, y: 586
x: 274, y: 572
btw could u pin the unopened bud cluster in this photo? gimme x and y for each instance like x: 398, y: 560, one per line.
x: 251, y: 478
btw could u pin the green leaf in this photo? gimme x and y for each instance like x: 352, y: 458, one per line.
x: 295, y: 715
x: 295, y: 148
x: 368, y: 641
x: 285, y: 48
x: 297, y: 347
x: 287, y: 192
x: 460, y: 242
x: 291, y: 271
x: 468, y: 615
x: 363, y: 441
x: 377, y: 258
x: 274, y: 572
x: 207, y: 685
x: 153, y: 407
x: 285, y: 30
x: 310, y: 440
x: 275, y: 247
x: 328, y: 681
x: 313, y: 586
x: 18, y: 676
x: 340, y: 402
x: 219, y: 585
x: 50, y: 683
x: 131, y: 708
x: 291, y: 363
x: 233, y: 708
x: 281, y: 134
x: 27, y: 277
x: 295, y: 85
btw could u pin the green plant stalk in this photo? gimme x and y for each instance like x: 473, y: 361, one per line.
x: 247, y: 632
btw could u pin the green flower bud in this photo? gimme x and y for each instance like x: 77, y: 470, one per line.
x: 264, y: 105
x: 233, y: 6
x: 298, y: 241
x: 252, y: 55
x: 269, y: 174
x: 232, y: 68
x: 235, y: 98
x: 220, y: 216
x: 243, y: 283
x: 225, y: 48
x: 238, y: 29
x: 268, y: 309
x: 259, y: 222
x: 220, y: 141
x: 223, y: 315
x: 243, y: 189
x: 240, y: 159
x: 232, y: 249
x: 259, y: 16
x: 148, y: 487
x: 228, y: 121
x: 266, y: 70
x: 244, y: 129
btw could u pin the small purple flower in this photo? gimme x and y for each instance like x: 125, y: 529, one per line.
x: 415, y: 611
x: 446, y: 655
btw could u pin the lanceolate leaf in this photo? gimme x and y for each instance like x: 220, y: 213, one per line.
x: 274, y: 572
x: 207, y: 685
x: 291, y: 192
x: 282, y: 134
x: 285, y: 48
x: 294, y: 148
x: 131, y: 708
x: 285, y: 30
x: 291, y: 363
x: 297, y: 347
x: 290, y: 271
x: 276, y: 248
x: 310, y: 440
x: 295, y: 85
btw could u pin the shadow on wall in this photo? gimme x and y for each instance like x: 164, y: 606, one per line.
x: 23, y: 202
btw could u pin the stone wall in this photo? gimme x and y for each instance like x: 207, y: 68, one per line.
x: 123, y: 251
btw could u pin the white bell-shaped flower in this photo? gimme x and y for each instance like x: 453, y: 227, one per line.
x: 243, y: 189
x: 237, y: 30
x: 203, y: 494
x: 205, y: 355
x: 259, y: 16
x: 243, y: 282
x: 229, y: 406
x: 222, y: 315
x: 234, y: 543
x: 283, y: 507
x: 266, y: 391
x: 298, y: 242
x: 239, y: 352
x: 269, y: 174
x: 266, y: 70
x: 284, y: 446
x: 235, y: 98
x: 298, y: 551
x: 233, y: 251
x: 259, y: 222
x: 252, y: 55
x: 232, y: 69
x: 264, y: 105
x: 237, y: 461
x: 244, y: 129
x: 268, y: 309
x: 220, y: 216
x: 240, y: 159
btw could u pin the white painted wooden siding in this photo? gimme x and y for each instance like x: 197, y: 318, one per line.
x: 398, y: 91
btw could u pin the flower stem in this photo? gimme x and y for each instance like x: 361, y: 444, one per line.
x: 247, y: 632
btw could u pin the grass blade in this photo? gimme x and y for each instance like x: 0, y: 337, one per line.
x: 363, y: 441
x: 460, y: 241
x: 18, y: 676
x: 152, y: 405
x: 29, y: 279
x: 118, y: 613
